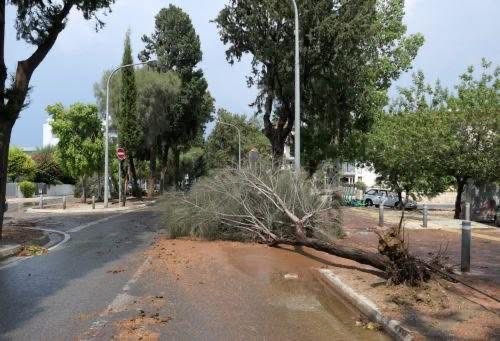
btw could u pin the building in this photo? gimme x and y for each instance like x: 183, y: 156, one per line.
x: 49, y: 140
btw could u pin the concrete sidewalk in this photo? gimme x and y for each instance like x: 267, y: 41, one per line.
x: 444, y: 237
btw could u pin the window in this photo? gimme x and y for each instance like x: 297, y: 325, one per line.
x: 371, y: 192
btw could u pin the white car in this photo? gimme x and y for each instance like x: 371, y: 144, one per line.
x: 375, y: 196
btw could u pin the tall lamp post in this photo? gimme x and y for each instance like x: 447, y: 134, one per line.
x: 106, y: 135
x: 239, y: 141
x: 297, y: 87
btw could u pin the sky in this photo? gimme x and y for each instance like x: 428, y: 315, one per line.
x: 457, y: 33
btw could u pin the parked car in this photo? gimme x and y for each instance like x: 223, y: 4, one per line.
x: 376, y: 196
x: 497, y: 216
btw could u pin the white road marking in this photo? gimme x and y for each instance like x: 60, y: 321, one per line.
x: 84, y: 226
x: 120, y: 302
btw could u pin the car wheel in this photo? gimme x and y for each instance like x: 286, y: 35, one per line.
x: 368, y: 203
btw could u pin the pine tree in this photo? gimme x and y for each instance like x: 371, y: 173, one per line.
x: 129, y: 132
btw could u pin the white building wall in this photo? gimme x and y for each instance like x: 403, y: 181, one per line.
x: 48, y: 138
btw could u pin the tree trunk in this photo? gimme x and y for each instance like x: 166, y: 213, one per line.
x: 177, y: 175
x: 136, y: 191
x: 84, y: 189
x: 5, y: 133
x: 359, y: 255
x: 152, y: 172
x: 461, y: 180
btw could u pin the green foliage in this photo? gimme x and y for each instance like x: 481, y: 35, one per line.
x: 48, y: 169
x: 432, y: 137
x: 351, y: 51
x: 360, y: 185
x: 233, y: 205
x: 21, y: 166
x: 176, y: 45
x: 129, y: 132
x: 157, y: 95
x: 192, y: 163
x: 79, y: 129
x: 472, y: 147
x: 27, y: 189
x: 222, y: 144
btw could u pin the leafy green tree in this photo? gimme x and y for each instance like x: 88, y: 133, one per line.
x: 176, y: 46
x: 351, y: 51
x: 157, y: 97
x: 38, y: 23
x: 472, y: 148
x: 21, y: 166
x: 222, y: 144
x: 80, y: 133
x: 401, y: 148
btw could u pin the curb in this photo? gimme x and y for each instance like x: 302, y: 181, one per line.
x: 367, y: 307
x: 10, y: 250
x: 88, y: 211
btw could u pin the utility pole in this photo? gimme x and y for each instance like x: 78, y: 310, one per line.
x: 297, y: 88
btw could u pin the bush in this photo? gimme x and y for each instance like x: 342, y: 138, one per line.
x: 361, y: 185
x: 27, y: 189
x: 243, y: 206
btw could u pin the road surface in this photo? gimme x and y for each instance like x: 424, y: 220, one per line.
x: 107, y: 275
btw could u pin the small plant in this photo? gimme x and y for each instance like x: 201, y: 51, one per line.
x: 27, y: 189
x: 361, y: 186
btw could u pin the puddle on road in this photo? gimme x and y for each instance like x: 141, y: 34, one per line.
x: 303, y: 299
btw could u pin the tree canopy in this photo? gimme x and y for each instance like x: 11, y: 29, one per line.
x: 222, y: 144
x: 21, y: 166
x: 80, y: 133
x: 351, y: 51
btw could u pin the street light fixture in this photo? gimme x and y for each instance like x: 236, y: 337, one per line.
x: 239, y: 141
x: 297, y: 88
x: 106, y: 135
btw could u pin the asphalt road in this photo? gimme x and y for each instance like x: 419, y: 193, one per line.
x: 52, y: 297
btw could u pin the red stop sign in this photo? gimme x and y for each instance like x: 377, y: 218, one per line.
x: 120, y: 154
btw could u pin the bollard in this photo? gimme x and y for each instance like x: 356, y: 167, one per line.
x: 425, y: 216
x: 64, y: 202
x: 466, y: 246
x: 40, y: 204
x: 381, y: 214
x: 467, y: 211
x: 93, y: 202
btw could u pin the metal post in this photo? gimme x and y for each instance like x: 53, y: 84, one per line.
x: 106, y: 134
x: 425, y: 215
x: 381, y: 214
x: 120, y: 189
x: 64, y: 202
x: 467, y: 211
x: 297, y: 88
x: 40, y: 204
x: 466, y: 246
x: 93, y: 202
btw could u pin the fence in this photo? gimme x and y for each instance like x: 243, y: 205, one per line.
x: 51, y: 191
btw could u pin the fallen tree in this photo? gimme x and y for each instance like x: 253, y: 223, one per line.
x: 279, y: 207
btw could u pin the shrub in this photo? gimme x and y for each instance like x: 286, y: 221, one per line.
x: 27, y: 189
x: 244, y: 206
x: 361, y: 185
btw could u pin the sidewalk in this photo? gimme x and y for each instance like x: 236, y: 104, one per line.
x: 443, y: 236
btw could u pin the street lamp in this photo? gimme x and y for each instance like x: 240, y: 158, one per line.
x: 239, y: 141
x: 106, y: 135
x: 297, y: 88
